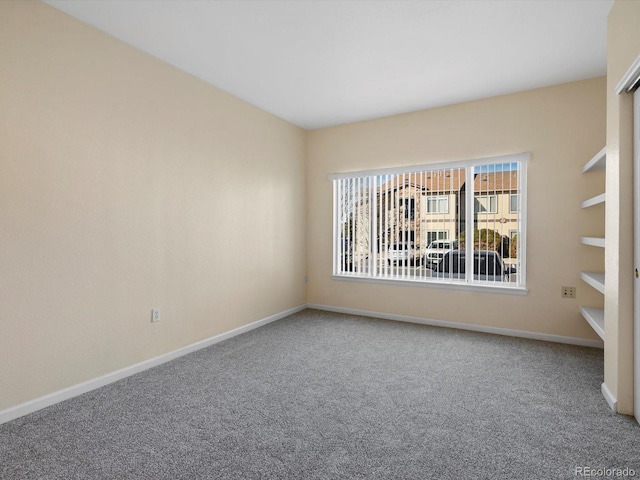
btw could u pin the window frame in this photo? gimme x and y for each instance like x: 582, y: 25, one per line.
x: 438, y: 238
x: 372, y: 273
x: 437, y: 199
x: 517, y: 198
x: 408, y: 205
x: 492, y: 201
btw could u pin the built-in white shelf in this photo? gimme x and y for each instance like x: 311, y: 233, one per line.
x: 595, y: 279
x: 597, y: 200
x: 595, y: 318
x: 598, y: 162
x: 593, y: 241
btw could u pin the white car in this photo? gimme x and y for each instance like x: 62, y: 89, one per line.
x: 402, y: 253
x: 436, y: 250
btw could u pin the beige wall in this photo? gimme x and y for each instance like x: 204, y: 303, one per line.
x: 127, y: 185
x: 562, y: 126
x: 623, y: 47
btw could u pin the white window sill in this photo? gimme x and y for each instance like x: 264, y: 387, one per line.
x: 475, y: 287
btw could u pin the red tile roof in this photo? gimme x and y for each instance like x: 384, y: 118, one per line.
x: 496, y: 182
x: 451, y: 181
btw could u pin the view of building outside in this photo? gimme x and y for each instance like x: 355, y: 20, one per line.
x: 399, y: 219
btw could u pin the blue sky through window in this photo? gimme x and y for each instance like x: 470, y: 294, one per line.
x: 496, y: 167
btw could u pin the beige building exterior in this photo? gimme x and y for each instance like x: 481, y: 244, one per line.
x: 426, y: 206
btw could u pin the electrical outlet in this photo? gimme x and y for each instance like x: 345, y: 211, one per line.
x: 155, y: 315
x: 568, y: 292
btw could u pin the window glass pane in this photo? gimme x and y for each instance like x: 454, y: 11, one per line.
x: 413, y: 226
x: 486, y: 203
x: 436, y: 204
x: 514, y: 203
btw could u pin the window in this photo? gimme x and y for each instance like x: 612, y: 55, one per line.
x: 433, y: 236
x: 437, y: 204
x: 513, y: 207
x: 385, y: 222
x: 486, y: 204
x: 408, y: 207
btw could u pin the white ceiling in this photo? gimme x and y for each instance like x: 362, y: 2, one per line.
x: 318, y: 63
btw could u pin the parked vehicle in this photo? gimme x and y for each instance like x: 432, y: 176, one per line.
x: 487, y: 266
x: 436, y: 250
x: 402, y: 254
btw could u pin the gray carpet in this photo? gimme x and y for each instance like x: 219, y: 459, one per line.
x: 320, y: 395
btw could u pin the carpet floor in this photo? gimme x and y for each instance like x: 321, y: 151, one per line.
x: 326, y: 396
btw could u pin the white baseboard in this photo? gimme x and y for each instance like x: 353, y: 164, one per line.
x: 464, y: 326
x: 84, y: 387
x: 611, y: 400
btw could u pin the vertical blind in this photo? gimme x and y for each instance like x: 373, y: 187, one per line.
x: 433, y: 223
